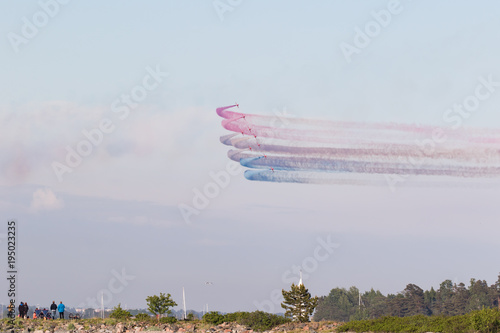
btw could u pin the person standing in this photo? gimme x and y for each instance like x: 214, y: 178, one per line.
x: 21, y: 310
x: 61, y: 308
x: 26, y: 308
x: 11, y: 313
x: 53, y: 308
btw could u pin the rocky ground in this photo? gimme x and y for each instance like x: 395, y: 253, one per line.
x: 82, y: 326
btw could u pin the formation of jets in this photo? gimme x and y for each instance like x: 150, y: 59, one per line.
x: 272, y: 169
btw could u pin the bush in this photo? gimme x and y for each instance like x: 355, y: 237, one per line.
x: 142, y: 317
x: 213, y: 318
x: 485, y: 320
x: 259, y: 320
x: 71, y: 326
x: 168, y: 320
x: 119, y: 313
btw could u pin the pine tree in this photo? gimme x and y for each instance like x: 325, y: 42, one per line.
x: 298, y: 303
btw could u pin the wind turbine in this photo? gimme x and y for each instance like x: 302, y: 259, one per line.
x: 184, y: 302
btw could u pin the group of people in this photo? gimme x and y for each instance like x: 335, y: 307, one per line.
x: 23, y: 310
x: 42, y: 313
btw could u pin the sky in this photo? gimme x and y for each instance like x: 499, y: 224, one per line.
x: 133, y: 87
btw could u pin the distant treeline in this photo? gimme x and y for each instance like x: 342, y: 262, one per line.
x: 450, y: 300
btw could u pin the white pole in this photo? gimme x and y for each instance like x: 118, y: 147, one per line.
x: 102, y: 305
x: 184, y: 301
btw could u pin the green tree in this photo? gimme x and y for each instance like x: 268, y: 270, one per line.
x: 445, y: 293
x: 460, y: 299
x: 160, y: 305
x: 375, y: 303
x: 495, y: 293
x: 120, y: 313
x: 430, y: 300
x: 298, y: 303
x: 397, y: 305
x: 479, y: 295
x: 415, y: 300
x: 340, y: 304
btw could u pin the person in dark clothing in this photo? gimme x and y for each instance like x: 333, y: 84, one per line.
x: 26, y: 308
x: 21, y: 310
x: 53, y: 308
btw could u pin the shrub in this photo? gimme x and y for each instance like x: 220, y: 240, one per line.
x: 259, y: 320
x: 142, y: 317
x: 71, y: 326
x: 119, y: 313
x: 168, y: 320
x: 214, y: 318
x: 485, y: 320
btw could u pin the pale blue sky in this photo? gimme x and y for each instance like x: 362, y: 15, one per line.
x: 119, y: 208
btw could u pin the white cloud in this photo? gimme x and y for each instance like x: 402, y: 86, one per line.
x: 45, y: 199
x: 150, y: 140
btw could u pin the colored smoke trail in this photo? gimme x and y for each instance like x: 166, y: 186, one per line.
x: 331, y: 152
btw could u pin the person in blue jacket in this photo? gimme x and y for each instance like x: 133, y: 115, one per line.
x: 60, y: 308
